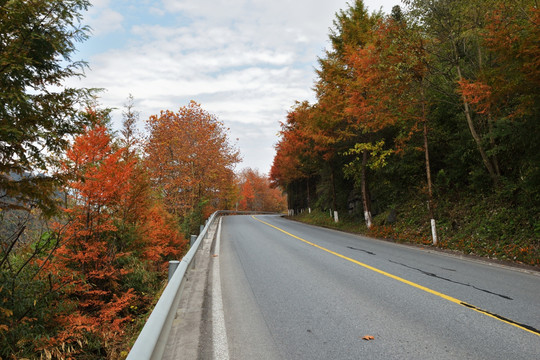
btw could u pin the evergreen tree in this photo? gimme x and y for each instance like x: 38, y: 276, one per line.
x: 37, y: 114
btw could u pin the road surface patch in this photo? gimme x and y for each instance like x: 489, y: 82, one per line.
x: 521, y: 326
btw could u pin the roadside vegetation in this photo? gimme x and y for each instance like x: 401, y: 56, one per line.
x: 425, y: 118
x: 88, y: 217
x: 463, y: 226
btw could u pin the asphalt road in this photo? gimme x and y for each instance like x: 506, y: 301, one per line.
x: 294, y: 291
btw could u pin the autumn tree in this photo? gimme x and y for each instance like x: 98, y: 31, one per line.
x: 484, y: 60
x: 86, y: 266
x: 114, y: 234
x: 143, y: 217
x: 455, y: 30
x: 315, y: 137
x: 389, y: 91
x: 435, y: 104
x: 351, y: 30
x: 296, y: 162
x: 37, y: 114
x: 504, y: 91
x: 190, y: 159
x: 256, y: 193
x: 38, y: 117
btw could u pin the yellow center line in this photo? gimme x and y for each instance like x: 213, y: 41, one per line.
x: 415, y: 285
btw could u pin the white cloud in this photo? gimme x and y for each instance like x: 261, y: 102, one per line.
x: 224, y: 9
x: 107, y: 22
x: 245, y: 61
x: 156, y: 11
x: 103, y: 19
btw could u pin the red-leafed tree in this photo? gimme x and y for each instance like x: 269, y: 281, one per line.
x: 296, y: 156
x: 256, y: 193
x: 330, y: 127
x: 86, y: 267
x: 115, y: 226
x: 160, y: 236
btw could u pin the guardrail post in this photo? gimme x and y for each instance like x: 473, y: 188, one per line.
x: 173, y: 264
x: 193, y: 239
x: 201, y: 228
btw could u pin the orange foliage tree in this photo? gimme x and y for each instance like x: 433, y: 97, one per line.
x: 191, y: 161
x: 507, y: 84
x: 296, y: 158
x: 86, y: 265
x: 97, y: 253
x: 256, y: 193
x: 143, y: 218
x: 388, y: 91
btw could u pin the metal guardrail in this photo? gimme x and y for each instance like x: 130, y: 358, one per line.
x: 153, y: 337
x: 151, y: 342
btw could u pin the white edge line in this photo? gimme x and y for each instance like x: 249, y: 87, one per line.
x: 219, y: 333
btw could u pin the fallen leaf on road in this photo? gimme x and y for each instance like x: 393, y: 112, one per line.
x: 215, y: 255
x: 368, y: 337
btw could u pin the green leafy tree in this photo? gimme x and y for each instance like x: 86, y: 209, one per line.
x: 37, y: 114
x: 330, y: 127
x: 454, y: 28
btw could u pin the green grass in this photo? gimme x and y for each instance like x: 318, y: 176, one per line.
x: 475, y: 226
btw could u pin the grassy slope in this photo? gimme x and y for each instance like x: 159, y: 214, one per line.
x: 473, y: 226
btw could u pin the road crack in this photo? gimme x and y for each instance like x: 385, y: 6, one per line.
x: 367, y: 252
x: 452, y: 281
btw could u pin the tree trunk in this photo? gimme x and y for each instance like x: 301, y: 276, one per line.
x: 476, y: 137
x: 365, y: 197
x: 494, y: 158
x: 428, y: 173
x: 308, y: 197
x: 334, y: 202
x: 428, y: 167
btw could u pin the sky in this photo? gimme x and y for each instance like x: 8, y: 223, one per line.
x: 244, y: 61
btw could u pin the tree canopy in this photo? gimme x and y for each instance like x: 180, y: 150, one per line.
x: 191, y: 161
x: 434, y: 100
x: 37, y: 113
